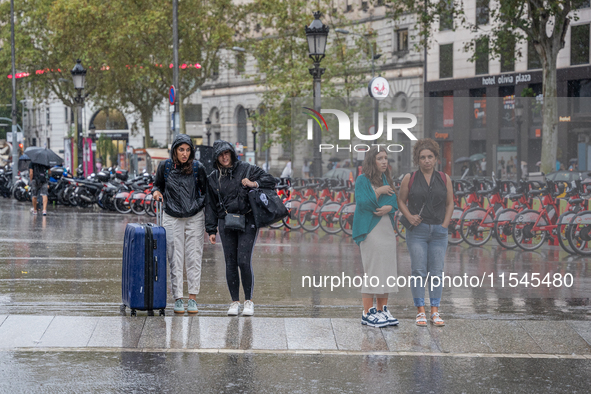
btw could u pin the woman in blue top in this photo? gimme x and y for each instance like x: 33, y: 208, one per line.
x: 373, y: 230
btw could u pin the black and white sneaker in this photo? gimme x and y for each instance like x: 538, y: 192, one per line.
x: 373, y: 319
x: 392, y: 321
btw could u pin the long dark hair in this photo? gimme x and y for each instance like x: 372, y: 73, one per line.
x: 187, y: 167
x: 371, y: 171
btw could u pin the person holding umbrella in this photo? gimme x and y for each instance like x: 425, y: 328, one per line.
x: 39, y: 185
x: 41, y: 160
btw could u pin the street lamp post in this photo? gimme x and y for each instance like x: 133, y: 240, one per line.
x: 208, y: 131
x: 252, y: 116
x: 519, y: 121
x: 373, y: 72
x: 14, y: 151
x: 317, y: 34
x: 79, y: 77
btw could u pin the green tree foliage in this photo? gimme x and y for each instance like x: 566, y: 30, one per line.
x: 275, y: 36
x: 126, y: 46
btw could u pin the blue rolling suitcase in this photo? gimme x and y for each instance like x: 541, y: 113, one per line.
x: 143, y: 284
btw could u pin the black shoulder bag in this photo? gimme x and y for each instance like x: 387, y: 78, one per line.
x: 233, y: 221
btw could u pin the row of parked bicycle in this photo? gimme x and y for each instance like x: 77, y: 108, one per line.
x: 110, y: 189
x: 521, y: 214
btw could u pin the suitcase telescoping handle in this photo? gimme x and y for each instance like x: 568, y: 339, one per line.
x: 159, y: 213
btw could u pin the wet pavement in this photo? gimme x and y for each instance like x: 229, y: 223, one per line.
x: 60, y: 292
x: 50, y: 372
x: 70, y: 263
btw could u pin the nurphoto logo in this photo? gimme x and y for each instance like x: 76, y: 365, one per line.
x: 393, y: 122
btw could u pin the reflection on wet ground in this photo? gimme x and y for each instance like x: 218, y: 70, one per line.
x: 69, y: 263
x: 50, y: 372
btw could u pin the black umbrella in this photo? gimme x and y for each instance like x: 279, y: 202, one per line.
x: 43, y: 156
x: 334, y: 159
x: 23, y: 163
x: 462, y: 159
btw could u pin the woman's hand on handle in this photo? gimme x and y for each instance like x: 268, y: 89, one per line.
x: 157, y: 195
x: 212, y: 239
x: 415, y: 220
x: 248, y: 183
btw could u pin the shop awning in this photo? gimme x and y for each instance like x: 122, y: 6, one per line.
x: 158, y: 154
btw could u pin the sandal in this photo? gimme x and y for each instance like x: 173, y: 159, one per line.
x: 436, y: 320
x: 421, y: 320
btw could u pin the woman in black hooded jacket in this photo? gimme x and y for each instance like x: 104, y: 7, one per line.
x: 229, y: 183
x: 184, y: 193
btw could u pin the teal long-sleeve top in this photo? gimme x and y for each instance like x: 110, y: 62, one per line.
x: 366, y: 204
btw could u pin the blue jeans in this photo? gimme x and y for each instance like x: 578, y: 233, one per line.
x: 427, y: 244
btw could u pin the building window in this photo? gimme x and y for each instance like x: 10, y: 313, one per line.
x: 364, y: 6
x: 66, y: 114
x: 508, y: 55
x: 482, y: 11
x: 215, y: 68
x: 47, y: 118
x: 446, y: 61
x: 584, y: 4
x: 442, y: 105
x: 536, y: 112
x: 402, y: 36
x: 579, y: 45
x: 349, y: 6
x: 481, y: 56
x: 508, y: 106
x: 240, y: 63
x: 478, y: 98
x: 446, y: 16
x: 576, y: 90
x: 533, y: 58
x: 241, y: 125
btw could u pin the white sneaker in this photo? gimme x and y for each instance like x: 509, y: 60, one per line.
x: 234, y: 308
x: 248, y: 308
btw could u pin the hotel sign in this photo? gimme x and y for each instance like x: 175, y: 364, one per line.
x: 505, y: 79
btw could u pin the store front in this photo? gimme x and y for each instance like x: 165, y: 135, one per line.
x: 474, y: 116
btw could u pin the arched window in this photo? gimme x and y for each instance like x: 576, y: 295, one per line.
x: 216, y: 130
x: 241, y: 125
x: 108, y: 119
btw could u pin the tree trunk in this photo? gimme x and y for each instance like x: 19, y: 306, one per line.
x: 549, y: 113
x: 146, y: 124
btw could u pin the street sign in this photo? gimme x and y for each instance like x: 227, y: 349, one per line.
x: 19, y: 136
x: 172, y: 95
x: 379, y: 88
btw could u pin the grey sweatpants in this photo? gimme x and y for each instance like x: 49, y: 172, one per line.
x: 184, y: 249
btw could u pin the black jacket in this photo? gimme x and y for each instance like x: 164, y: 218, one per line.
x: 182, y: 197
x: 229, y: 183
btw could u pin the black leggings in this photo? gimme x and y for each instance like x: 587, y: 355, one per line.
x: 238, y: 247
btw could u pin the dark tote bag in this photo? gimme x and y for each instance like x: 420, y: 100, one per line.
x: 267, y: 206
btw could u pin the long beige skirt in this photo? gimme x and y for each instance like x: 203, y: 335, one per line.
x: 378, y: 255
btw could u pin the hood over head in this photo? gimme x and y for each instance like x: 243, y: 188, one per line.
x: 179, y: 140
x: 220, y: 146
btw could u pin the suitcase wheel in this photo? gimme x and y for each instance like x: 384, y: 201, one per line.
x: 133, y: 312
x: 151, y: 312
x: 161, y: 312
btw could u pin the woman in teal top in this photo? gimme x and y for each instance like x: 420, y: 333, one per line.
x: 373, y: 230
